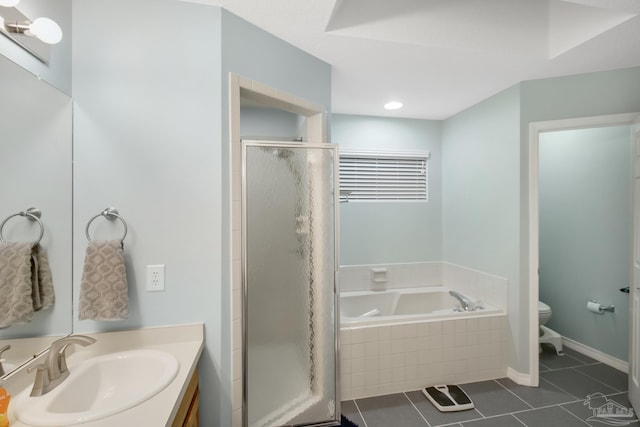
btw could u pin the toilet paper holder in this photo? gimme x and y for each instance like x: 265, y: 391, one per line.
x: 600, y: 308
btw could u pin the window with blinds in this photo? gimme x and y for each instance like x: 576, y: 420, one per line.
x: 369, y: 176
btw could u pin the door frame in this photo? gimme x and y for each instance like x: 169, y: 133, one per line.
x: 316, y: 132
x: 535, y: 128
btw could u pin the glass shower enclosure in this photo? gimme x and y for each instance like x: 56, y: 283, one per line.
x: 290, y: 330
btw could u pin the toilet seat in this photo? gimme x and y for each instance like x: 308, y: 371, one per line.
x: 547, y: 335
x: 544, y: 313
x: 543, y: 308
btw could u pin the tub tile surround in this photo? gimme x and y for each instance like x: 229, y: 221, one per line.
x: 480, y: 286
x: 409, y: 275
x: 379, y: 360
x: 391, y: 359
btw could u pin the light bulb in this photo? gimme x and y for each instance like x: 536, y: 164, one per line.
x: 46, y: 30
x: 9, y: 3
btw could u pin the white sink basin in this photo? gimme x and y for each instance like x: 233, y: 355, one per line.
x: 8, y: 367
x: 100, y: 387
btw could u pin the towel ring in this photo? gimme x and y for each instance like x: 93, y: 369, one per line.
x: 32, y: 214
x: 110, y: 214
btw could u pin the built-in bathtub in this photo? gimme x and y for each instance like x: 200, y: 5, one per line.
x: 404, y: 339
x: 398, y: 306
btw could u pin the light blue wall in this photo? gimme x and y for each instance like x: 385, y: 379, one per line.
x: 486, y: 175
x: 147, y: 140
x: 258, y: 55
x: 151, y: 138
x: 480, y: 208
x: 257, y: 123
x: 584, y: 95
x: 390, y: 232
x: 585, y: 225
x: 58, y: 71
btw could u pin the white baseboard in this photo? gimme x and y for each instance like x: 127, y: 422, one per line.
x: 607, y: 359
x: 520, y: 378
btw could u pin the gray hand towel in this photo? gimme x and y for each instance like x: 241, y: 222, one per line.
x: 25, y: 282
x: 103, y: 288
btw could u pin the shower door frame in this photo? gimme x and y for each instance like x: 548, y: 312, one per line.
x: 244, y: 269
x: 316, y: 131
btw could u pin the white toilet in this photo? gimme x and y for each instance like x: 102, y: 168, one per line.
x: 548, y: 335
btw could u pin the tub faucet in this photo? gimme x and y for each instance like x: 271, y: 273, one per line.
x: 54, y: 370
x: 2, y: 350
x: 465, y: 302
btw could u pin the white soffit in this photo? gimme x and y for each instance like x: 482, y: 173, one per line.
x: 439, y: 57
x: 540, y: 29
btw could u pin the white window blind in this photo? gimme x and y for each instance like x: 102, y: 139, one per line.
x: 371, y: 176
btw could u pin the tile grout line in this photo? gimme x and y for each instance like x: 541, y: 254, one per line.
x: 360, y: 412
x: 414, y: 407
x: 601, y: 382
x: 478, y: 411
x: 473, y: 420
x: 547, y: 406
x: 514, y: 413
x: 580, y: 355
x: 567, y: 355
x: 571, y: 413
x: 543, y: 365
x: 510, y: 391
x: 560, y: 388
x: 519, y: 420
x: 576, y: 368
x: 573, y: 366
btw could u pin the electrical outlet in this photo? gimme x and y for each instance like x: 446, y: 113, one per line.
x: 155, y: 278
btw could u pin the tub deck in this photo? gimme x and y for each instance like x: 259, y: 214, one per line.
x: 408, y: 305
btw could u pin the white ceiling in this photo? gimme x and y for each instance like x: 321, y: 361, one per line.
x: 439, y: 57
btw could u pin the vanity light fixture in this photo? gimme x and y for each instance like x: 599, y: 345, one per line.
x: 9, y: 3
x: 33, y: 35
x: 393, y: 105
x: 45, y: 29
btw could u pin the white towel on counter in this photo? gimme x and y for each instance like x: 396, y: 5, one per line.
x: 103, y: 288
x: 26, y: 285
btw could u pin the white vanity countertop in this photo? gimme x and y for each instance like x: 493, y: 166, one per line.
x: 184, y: 342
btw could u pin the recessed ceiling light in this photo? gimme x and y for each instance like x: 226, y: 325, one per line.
x: 393, y: 105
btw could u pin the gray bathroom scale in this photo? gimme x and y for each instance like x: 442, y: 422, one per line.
x: 448, y: 398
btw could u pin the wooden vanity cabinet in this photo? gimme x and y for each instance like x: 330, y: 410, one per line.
x: 187, y: 415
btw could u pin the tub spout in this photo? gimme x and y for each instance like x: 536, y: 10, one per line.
x: 465, y: 303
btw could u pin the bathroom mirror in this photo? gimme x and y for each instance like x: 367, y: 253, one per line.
x: 36, y: 171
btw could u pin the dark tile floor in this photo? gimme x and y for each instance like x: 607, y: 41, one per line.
x: 565, y: 382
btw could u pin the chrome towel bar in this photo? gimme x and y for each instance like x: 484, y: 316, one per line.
x: 32, y: 214
x: 111, y: 214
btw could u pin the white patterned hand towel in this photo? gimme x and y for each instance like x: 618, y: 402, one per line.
x: 25, y: 282
x: 103, y: 288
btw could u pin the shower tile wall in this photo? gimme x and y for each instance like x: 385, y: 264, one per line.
x: 389, y: 359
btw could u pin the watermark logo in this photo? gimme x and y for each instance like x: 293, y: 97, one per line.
x: 607, y: 411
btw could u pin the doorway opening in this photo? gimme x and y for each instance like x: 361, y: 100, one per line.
x: 536, y: 131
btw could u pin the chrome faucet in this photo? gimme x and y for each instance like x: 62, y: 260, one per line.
x: 2, y: 350
x: 53, y: 372
x: 465, y: 303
